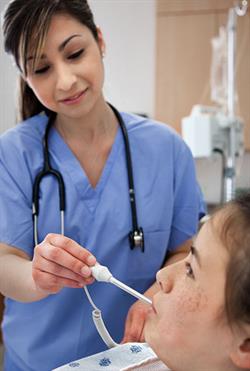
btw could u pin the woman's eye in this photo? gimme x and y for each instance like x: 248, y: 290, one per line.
x: 189, y: 270
x: 76, y: 55
x: 41, y: 70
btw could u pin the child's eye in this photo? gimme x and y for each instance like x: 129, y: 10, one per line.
x: 42, y: 70
x: 76, y: 55
x: 189, y: 270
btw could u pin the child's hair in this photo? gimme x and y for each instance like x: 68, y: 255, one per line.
x: 25, y: 26
x: 234, y: 233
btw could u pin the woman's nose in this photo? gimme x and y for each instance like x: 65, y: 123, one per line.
x: 65, y: 78
x: 165, y: 280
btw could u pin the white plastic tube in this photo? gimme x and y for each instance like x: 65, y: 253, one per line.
x: 129, y: 290
x: 102, y: 330
x: 99, y: 324
x: 101, y: 273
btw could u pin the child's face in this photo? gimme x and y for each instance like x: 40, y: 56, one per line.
x: 183, y: 326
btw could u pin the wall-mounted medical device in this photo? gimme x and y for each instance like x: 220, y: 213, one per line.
x: 207, y: 129
x: 210, y: 129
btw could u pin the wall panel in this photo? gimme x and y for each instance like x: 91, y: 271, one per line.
x: 183, y: 60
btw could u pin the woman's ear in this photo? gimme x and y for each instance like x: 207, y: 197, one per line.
x: 240, y: 356
x: 101, y: 41
x: 23, y: 78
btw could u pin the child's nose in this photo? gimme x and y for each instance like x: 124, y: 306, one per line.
x: 165, y: 280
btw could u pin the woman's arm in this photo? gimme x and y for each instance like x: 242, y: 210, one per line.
x: 16, y: 275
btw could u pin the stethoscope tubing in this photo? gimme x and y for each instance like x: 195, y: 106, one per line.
x: 47, y: 170
x: 129, y: 170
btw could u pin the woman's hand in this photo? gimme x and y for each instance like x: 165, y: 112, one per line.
x: 137, y: 314
x: 61, y: 262
x: 135, y: 323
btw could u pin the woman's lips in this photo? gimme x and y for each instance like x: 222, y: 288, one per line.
x: 74, y: 98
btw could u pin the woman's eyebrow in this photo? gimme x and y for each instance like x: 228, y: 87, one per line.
x: 65, y: 42
x: 196, y: 254
x: 60, y: 48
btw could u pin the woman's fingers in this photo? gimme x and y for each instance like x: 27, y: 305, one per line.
x: 71, y: 247
x: 67, y: 253
x: 59, y: 261
x: 52, y: 284
x: 58, y: 270
x: 54, y: 278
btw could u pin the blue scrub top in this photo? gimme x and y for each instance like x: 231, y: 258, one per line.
x: 58, y: 329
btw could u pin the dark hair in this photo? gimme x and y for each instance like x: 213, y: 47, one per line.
x: 234, y: 233
x: 25, y: 26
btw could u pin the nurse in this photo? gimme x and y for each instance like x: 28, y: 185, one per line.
x: 47, y: 321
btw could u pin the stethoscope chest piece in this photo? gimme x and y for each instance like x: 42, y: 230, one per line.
x: 136, y: 239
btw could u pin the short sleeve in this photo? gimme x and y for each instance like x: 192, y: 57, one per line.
x: 189, y: 204
x: 16, y: 225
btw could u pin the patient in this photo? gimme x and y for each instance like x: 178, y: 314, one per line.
x: 200, y: 318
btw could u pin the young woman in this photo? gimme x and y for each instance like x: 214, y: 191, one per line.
x: 133, y: 206
x: 200, y: 318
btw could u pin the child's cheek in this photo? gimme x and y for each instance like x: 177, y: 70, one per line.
x: 189, y: 303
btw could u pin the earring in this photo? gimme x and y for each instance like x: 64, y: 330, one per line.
x: 103, y: 54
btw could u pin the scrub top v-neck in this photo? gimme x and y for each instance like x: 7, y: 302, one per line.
x: 86, y: 191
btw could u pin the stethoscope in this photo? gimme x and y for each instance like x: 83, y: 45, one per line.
x: 136, y: 236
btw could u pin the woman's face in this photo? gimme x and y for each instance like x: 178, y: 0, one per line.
x: 68, y: 78
x: 185, y: 325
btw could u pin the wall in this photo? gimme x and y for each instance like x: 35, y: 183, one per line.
x: 183, y: 62
x: 129, y: 31
x: 7, y: 85
x: 185, y: 29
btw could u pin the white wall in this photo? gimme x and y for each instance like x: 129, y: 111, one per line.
x: 7, y: 86
x: 129, y: 32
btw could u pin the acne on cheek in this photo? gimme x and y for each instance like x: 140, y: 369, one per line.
x: 187, y: 307
x: 192, y: 303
